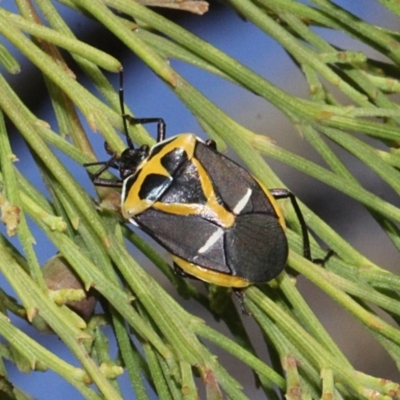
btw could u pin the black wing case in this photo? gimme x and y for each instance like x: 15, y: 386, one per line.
x: 254, y: 248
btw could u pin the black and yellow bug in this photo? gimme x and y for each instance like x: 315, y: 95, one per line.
x: 219, y: 223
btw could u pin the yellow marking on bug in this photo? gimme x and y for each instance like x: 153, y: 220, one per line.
x: 179, y: 208
x: 210, y: 276
x: 131, y: 208
x: 213, y: 210
x: 132, y: 204
x: 274, y: 204
x: 185, y: 141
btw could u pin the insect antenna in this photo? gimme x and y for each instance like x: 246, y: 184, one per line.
x: 161, y: 128
x: 122, y: 106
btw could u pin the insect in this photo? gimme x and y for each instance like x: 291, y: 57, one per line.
x: 220, y: 224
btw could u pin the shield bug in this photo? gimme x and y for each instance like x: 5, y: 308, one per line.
x: 220, y: 224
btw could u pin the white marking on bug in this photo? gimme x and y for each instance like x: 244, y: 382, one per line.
x: 133, y: 222
x: 212, y: 240
x: 242, y: 202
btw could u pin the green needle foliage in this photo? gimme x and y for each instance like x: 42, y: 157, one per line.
x: 161, y: 345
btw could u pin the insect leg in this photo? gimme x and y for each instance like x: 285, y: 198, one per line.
x: 161, y: 127
x: 106, y: 182
x: 95, y: 177
x: 160, y: 124
x: 284, y: 194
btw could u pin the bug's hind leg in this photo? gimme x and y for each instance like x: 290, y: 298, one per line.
x: 322, y: 261
x: 240, y: 295
x: 284, y: 194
